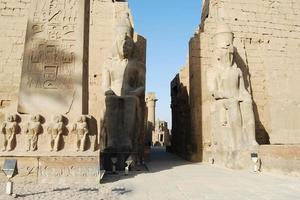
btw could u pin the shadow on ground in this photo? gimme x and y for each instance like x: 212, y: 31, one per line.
x: 159, y: 160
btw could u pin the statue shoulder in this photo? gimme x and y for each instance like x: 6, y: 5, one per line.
x: 211, y: 73
x: 4, y: 124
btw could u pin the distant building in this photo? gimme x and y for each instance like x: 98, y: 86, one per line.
x: 161, y: 134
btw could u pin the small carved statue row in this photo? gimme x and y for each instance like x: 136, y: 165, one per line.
x: 33, y: 128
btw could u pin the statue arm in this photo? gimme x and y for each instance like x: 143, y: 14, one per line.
x: 39, y: 129
x: 212, y: 83
x: 244, y: 95
x: 86, y: 129
x: 25, y: 128
x: 106, y: 80
x: 3, y: 128
x: 49, y: 129
x: 15, y: 128
x: 73, y: 128
x: 61, y: 128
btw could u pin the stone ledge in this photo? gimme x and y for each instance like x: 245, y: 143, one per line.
x: 280, y: 159
x: 56, y: 169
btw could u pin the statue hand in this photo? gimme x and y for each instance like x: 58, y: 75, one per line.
x: 110, y: 93
x: 245, y: 96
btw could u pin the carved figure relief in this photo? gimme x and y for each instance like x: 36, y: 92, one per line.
x: 56, y: 130
x: 81, y: 129
x: 9, y: 129
x: 33, y: 130
x: 226, y: 85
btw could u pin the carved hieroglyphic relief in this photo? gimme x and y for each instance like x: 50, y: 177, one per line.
x: 52, y: 67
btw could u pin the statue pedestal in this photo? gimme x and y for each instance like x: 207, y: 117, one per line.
x: 123, y: 130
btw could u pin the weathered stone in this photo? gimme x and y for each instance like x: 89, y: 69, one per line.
x: 52, y: 73
x: 181, y: 140
x: 151, y: 106
x: 233, y: 126
x: 9, y: 129
x: 60, y: 72
x: 265, y: 39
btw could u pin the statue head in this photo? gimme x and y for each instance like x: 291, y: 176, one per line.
x: 79, y: 119
x: 128, y: 47
x: 58, y: 118
x: 124, y: 47
x: 83, y: 118
x: 224, y: 49
x: 35, y: 118
x: 124, y: 25
x: 123, y: 39
x: 11, y: 118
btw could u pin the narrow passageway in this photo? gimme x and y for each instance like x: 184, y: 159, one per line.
x: 161, y: 160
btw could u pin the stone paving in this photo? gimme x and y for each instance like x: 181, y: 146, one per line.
x: 171, y: 178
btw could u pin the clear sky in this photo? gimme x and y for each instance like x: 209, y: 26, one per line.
x: 168, y: 25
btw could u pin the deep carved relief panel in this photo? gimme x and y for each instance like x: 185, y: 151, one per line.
x: 52, y: 67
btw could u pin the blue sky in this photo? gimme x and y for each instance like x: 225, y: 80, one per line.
x: 168, y: 25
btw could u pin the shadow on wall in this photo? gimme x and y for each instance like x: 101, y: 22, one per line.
x: 181, y: 138
x: 261, y: 134
x: 50, y: 68
x: 150, y: 129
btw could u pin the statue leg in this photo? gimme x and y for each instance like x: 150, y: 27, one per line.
x: 248, y: 123
x: 78, y: 143
x: 56, y: 143
x: 52, y: 143
x: 4, y: 142
x: 222, y: 133
x: 28, y: 143
x: 236, y: 123
x: 34, y: 142
x: 10, y: 142
x: 82, y: 143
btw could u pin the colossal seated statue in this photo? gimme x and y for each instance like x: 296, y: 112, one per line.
x: 124, y: 87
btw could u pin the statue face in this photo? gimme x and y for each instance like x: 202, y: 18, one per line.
x: 127, y: 47
x: 58, y: 119
x: 83, y: 119
x: 32, y: 118
x: 36, y: 118
x: 224, y: 48
x: 10, y: 118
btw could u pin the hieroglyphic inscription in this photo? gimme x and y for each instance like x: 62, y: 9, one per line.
x: 52, y: 42
x: 53, y: 50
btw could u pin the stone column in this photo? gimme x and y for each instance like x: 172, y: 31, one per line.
x: 150, y: 101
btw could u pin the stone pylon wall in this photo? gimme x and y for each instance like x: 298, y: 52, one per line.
x: 13, y: 23
x: 100, y: 17
x: 267, y: 41
x: 99, y: 20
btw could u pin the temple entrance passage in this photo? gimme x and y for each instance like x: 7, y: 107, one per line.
x: 170, y: 177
